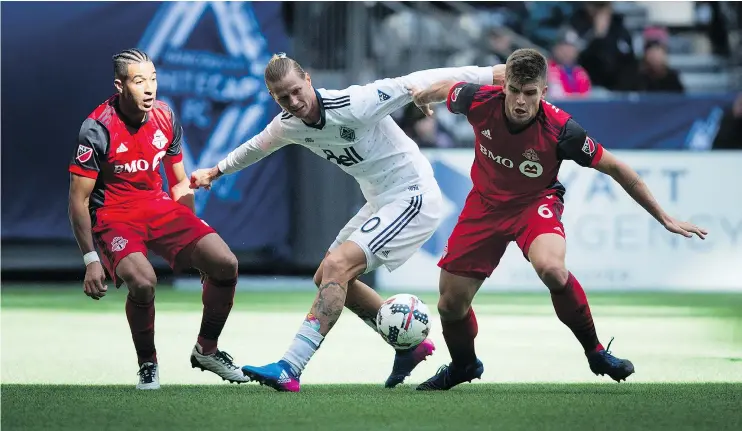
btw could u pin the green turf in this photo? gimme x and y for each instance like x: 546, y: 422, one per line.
x: 364, y: 407
x: 55, y: 298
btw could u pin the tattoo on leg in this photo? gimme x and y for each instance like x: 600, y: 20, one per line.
x: 329, y: 304
x: 367, y: 316
x: 361, y: 312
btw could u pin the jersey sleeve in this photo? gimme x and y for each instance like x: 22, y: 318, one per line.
x: 575, y: 144
x: 461, y: 96
x: 372, y: 102
x: 256, y: 148
x: 174, y: 151
x: 92, y: 144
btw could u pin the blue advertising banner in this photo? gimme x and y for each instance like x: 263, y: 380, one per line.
x: 210, y: 56
x: 651, y: 121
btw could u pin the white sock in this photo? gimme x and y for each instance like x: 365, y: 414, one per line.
x: 305, y: 343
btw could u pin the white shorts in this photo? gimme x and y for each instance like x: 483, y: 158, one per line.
x: 390, y: 235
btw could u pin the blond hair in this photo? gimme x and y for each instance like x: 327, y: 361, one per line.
x: 279, y: 66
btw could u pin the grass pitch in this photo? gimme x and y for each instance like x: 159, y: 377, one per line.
x: 68, y: 363
x: 365, y: 407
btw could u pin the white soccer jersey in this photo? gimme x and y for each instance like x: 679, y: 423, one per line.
x: 356, y: 132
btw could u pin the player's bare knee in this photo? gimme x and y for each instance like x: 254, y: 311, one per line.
x: 453, y: 307
x: 553, y: 274
x: 318, y: 275
x: 223, y: 267
x: 141, y: 287
x: 229, y: 266
x: 336, y: 268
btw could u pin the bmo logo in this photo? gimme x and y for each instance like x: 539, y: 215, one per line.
x: 139, y: 165
x: 531, y: 169
x: 497, y: 159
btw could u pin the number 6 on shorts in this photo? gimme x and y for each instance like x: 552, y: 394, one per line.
x: 544, y: 211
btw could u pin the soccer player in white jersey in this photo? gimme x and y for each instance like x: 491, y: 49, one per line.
x: 353, y: 129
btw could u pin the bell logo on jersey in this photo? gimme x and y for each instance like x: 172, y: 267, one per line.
x: 350, y: 158
x: 589, y: 146
x: 139, y: 165
x: 497, y: 159
x: 159, y: 140
x: 531, y: 169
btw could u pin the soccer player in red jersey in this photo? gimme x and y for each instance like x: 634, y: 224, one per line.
x: 117, y: 202
x: 521, y: 141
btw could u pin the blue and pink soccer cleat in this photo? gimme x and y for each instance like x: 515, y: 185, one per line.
x: 406, y: 361
x: 277, y: 375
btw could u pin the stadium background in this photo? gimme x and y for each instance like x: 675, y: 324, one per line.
x: 652, y: 291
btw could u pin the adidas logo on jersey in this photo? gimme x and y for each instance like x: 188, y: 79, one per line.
x: 486, y: 133
x: 122, y: 148
x: 383, y: 97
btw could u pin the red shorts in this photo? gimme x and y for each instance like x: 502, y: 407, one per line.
x: 162, y: 225
x: 482, y: 233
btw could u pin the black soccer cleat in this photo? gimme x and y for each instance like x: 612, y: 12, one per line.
x: 451, y: 375
x: 602, y: 362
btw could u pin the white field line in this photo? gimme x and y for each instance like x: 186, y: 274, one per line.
x: 83, y: 348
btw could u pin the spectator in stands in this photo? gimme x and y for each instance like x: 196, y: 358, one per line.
x: 545, y: 20
x: 654, y: 73
x: 494, y: 48
x: 566, y: 77
x: 609, y: 53
x: 730, y: 129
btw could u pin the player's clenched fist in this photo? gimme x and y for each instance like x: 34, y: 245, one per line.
x: 204, y: 177
x: 94, y: 279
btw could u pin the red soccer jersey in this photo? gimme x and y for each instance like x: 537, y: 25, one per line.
x: 123, y: 158
x: 517, y: 167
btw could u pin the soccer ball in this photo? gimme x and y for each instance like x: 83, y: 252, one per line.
x: 403, y: 321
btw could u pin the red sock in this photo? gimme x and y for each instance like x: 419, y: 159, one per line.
x: 141, y: 317
x: 218, y: 297
x: 573, y: 310
x: 459, y: 336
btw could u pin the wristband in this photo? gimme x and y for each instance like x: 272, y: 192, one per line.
x: 90, y: 257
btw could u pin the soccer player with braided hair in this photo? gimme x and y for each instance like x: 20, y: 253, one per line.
x: 117, y: 206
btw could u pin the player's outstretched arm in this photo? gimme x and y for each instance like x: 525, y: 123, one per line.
x: 630, y: 180
x: 436, y: 93
x: 79, y: 198
x: 255, y: 149
x: 373, y: 102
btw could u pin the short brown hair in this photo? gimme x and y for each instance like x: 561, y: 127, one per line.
x: 525, y: 66
x: 279, y: 66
